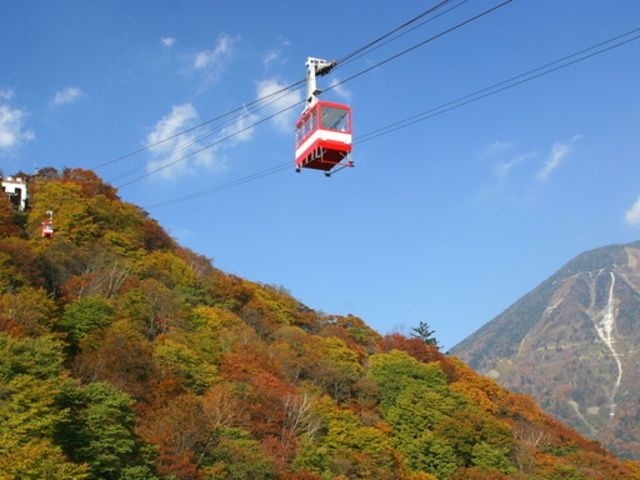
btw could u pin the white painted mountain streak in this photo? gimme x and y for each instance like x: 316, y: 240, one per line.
x: 605, y: 328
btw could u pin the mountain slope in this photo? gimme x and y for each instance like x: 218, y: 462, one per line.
x: 572, y: 343
x: 124, y: 356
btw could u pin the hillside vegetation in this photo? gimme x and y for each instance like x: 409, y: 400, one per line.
x: 125, y: 356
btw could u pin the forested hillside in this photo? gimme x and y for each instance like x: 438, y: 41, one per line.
x: 125, y: 356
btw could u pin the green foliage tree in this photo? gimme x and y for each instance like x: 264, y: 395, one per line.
x: 99, y: 432
x: 172, y: 272
x: 434, y: 427
x: 84, y: 316
x: 478, y: 439
x: 36, y: 459
x: 346, y: 448
x: 40, y: 357
x: 28, y: 418
x: 30, y: 380
x: 492, y: 457
x: 415, y: 399
x: 429, y: 452
x: 338, y: 367
x: 418, y: 408
x: 395, y: 370
x: 28, y: 410
x: 152, y: 307
x: 176, y: 358
x: 237, y: 456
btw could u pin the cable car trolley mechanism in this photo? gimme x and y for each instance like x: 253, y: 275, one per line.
x: 323, y: 132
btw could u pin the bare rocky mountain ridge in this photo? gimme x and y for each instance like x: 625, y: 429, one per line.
x: 572, y: 344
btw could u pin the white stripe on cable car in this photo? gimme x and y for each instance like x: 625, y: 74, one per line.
x: 342, y: 137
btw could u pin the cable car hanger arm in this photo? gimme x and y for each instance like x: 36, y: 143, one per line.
x: 316, y: 67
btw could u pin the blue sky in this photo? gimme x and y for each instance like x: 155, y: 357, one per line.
x: 447, y: 221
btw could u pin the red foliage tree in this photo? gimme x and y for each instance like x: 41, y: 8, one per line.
x: 120, y: 356
x: 182, y: 434
x: 8, y: 226
x: 90, y: 183
x: 413, y: 346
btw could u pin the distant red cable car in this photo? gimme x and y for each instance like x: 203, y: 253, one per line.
x: 323, y: 132
x: 47, y: 229
x: 46, y: 226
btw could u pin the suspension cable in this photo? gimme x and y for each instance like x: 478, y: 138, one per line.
x: 529, y: 75
x: 377, y: 65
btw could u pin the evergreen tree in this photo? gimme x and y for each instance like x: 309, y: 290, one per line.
x: 424, y: 333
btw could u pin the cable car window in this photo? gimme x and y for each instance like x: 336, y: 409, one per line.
x: 299, y: 136
x: 312, y: 122
x: 334, y: 118
x: 306, y: 126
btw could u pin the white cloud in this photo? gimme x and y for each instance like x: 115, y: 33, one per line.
x: 169, y: 154
x: 176, y: 154
x: 13, y: 133
x: 559, y: 152
x: 67, y: 95
x: 632, y: 216
x: 213, y: 61
x: 241, y: 129
x: 504, y: 168
x: 504, y: 156
x: 280, y: 104
x: 180, y: 118
x: 167, y: 41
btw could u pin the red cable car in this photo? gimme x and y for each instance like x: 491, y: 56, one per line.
x: 46, y: 226
x: 323, y: 137
x: 47, y: 229
x: 323, y: 132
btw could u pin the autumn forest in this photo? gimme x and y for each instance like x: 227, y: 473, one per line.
x: 124, y: 356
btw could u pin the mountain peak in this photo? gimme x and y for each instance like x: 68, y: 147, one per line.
x: 571, y: 343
